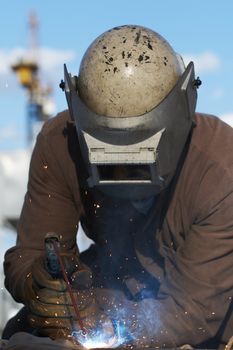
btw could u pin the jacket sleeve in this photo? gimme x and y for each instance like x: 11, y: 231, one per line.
x: 197, y: 288
x: 49, y: 206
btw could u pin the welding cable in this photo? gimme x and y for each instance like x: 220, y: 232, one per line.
x: 68, y: 285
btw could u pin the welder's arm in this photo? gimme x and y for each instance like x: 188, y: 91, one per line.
x: 52, y: 204
x: 58, y: 311
x: 49, y: 205
x: 198, y: 286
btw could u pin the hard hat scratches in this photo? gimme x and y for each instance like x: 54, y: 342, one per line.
x: 138, y: 34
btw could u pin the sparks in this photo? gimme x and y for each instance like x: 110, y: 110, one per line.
x: 98, y: 339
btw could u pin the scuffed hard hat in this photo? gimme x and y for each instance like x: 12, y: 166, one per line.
x: 133, y: 104
x: 127, y: 71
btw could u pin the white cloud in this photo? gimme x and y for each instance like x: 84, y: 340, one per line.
x: 227, y: 118
x: 50, y: 63
x: 47, y: 57
x: 9, y: 132
x: 218, y: 92
x: 205, y: 62
x: 7, y: 58
x: 13, y: 181
x: 51, y: 58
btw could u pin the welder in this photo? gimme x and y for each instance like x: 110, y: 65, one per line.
x: 151, y: 183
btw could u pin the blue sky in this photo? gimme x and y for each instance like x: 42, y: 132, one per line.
x: 201, y: 30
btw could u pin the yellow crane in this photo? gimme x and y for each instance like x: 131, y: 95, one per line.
x: 27, y: 70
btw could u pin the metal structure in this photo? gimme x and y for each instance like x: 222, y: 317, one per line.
x: 27, y: 70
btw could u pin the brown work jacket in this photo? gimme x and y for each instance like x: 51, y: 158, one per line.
x: 187, y: 257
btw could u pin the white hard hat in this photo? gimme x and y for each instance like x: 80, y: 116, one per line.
x: 127, y: 71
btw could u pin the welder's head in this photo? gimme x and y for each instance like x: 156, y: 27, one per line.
x: 133, y: 103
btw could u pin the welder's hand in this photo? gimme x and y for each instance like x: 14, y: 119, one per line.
x: 51, y: 308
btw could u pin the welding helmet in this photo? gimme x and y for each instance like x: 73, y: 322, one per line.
x: 132, y: 103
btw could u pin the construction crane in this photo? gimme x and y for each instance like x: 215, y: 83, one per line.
x: 27, y: 70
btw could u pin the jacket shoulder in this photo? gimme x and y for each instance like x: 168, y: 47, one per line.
x: 213, y: 137
x: 56, y: 124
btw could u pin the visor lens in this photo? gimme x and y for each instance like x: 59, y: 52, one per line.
x: 122, y: 172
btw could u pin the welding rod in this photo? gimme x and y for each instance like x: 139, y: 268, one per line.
x: 55, y: 242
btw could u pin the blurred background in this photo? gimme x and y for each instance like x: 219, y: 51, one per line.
x: 38, y: 37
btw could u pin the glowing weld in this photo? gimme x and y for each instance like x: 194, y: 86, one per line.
x: 99, y: 339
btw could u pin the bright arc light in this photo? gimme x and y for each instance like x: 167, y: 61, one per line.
x: 98, y: 339
x: 94, y: 342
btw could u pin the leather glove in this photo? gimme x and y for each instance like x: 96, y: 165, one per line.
x: 51, y: 310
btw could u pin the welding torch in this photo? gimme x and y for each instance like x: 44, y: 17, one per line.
x: 56, y: 269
